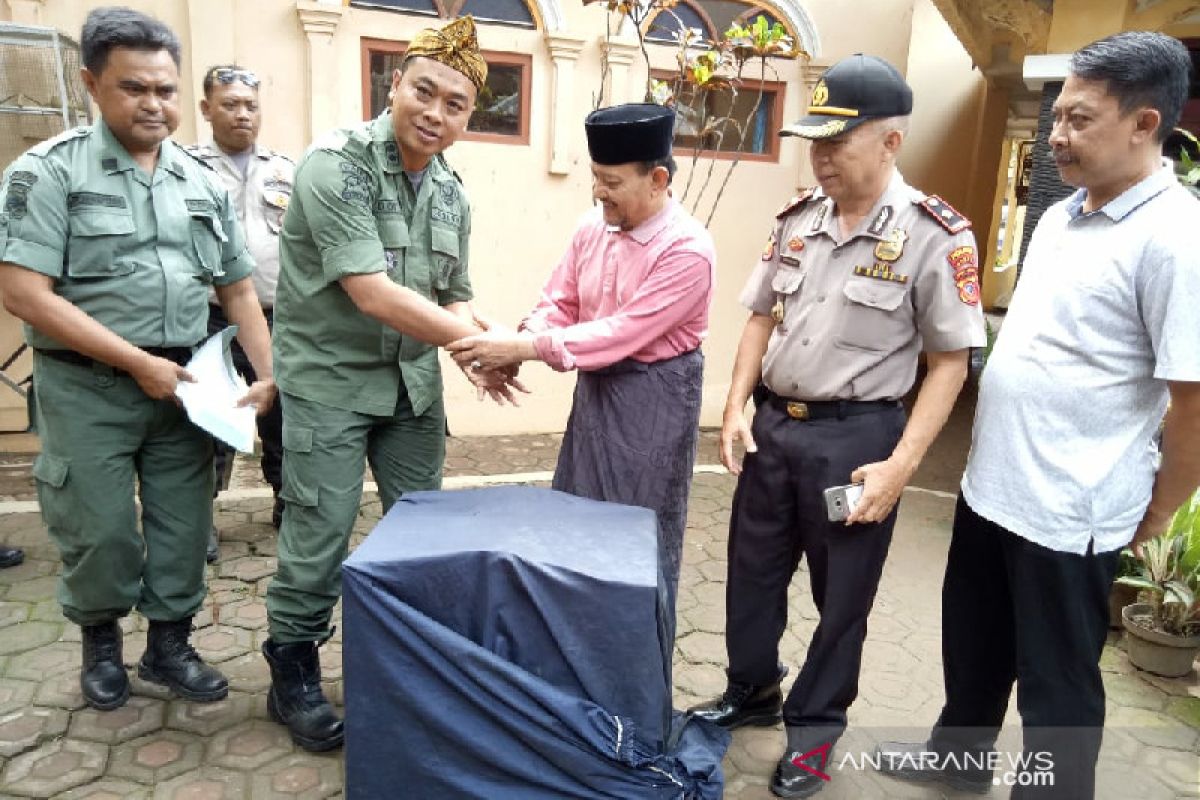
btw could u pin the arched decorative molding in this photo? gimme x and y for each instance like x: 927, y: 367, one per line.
x: 551, y: 14
x: 797, y: 16
x: 790, y: 11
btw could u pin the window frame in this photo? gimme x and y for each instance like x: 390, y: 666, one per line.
x: 754, y: 8
x: 370, y: 45
x: 774, y: 124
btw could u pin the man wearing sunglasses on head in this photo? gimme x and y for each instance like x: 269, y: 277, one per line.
x: 260, y: 183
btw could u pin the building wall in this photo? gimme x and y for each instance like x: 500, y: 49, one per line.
x: 523, y: 210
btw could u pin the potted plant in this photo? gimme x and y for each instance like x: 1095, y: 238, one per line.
x: 1122, y: 594
x: 1163, y: 635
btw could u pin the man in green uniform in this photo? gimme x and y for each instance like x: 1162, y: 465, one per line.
x: 373, y: 278
x: 110, y: 237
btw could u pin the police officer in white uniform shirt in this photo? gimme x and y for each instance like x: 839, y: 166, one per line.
x: 859, y: 276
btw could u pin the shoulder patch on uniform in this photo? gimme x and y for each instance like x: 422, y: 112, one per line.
x: 43, y: 148
x: 796, y: 202
x: 199, y: 159
x: 945, y: 214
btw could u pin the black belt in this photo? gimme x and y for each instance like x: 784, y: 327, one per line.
x: 179, y: 355
x: 829, y: 409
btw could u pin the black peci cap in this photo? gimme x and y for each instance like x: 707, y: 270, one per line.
x: 851, y: 92
x: 631, y: 132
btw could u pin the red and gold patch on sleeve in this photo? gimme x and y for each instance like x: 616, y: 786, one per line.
x: 966, y: 273
x: 769, y: 250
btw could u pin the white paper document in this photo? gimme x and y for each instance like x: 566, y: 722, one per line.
x: 211, y: 402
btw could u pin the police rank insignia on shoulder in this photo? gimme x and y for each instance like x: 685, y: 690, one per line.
x: 945, y: 214
x: 966, y: 273
x: 892, y: 246
x: 796, y: 202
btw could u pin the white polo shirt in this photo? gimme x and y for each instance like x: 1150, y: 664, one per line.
x: 1106, y: 312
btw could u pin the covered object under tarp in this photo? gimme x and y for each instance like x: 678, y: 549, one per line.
x: 510, y: 643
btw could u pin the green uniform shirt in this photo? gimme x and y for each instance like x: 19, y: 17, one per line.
x: 136, y: 252
x: 353, y: 211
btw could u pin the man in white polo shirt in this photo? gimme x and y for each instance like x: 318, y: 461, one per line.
x: 1102, y: 332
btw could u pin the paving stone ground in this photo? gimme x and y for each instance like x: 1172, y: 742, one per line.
x: 51, y: 745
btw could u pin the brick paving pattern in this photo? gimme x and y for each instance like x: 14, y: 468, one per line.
x: 51, y: 745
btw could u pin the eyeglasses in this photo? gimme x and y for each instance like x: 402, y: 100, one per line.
x: 226, y: 76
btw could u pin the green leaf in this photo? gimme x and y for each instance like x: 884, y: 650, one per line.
x: 1138, y: 582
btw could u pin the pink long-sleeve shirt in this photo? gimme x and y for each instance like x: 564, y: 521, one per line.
x: 642, y: 294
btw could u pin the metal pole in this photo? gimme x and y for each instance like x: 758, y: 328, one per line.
x: 63, y: 100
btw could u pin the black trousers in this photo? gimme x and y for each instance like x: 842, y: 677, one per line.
x: 270, y: 425
x: 1012, y: 611
x: 779, y: 516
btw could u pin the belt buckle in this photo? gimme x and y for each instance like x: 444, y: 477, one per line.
x: 797, y: 410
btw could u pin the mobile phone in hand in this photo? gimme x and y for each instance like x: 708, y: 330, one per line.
x: 840, y: 501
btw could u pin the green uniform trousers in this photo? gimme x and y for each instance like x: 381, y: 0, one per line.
x: 101, y: 436
x: 323, y: 453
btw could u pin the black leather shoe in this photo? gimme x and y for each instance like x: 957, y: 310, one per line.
x: 791, y: 780
x: 918, y: 762
x: 213, y: 551
x: 744, y: 704
x: 10, y: 556
x: 277, y: 513
x: 103, y: 679
x: 171, y: 661
x: 296, y: 699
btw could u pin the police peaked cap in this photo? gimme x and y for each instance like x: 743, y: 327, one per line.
x: 851, y: 92
x: 628, y: 133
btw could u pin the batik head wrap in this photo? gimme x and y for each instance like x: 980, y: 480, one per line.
x: 455, y: 46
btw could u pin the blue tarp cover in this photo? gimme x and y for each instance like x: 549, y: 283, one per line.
x: 508, y: 643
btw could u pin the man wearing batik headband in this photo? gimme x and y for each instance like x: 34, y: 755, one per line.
x: 628, y: 307
x: 858, y: 277
x: 373, y: 279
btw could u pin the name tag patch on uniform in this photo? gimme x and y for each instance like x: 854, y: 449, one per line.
x: 446, y: 215
x: 881, y: 271
x: 788, y: 261
x: 892, y: 247
x: 94, y: 199
x: 201, y: 204
x: 388, y: 205
x: 966, y: 273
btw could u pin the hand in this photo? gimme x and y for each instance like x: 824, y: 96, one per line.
x: 498, y: 384
x: 158, y: 377
x: 883, y: 481
x: 734, y: 427
x: 492, y: 349
x: 1152, y: 524
x: 261, y: 396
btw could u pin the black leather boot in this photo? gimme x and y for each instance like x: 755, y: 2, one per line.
x: 11, y: 556
x: 920, y: 762
x: 103, y: 679
x: 171, y: 661
x: 744, y: 704
x: 296, y: 699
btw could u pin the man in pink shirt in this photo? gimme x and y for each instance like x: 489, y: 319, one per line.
x: 628, y: 307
